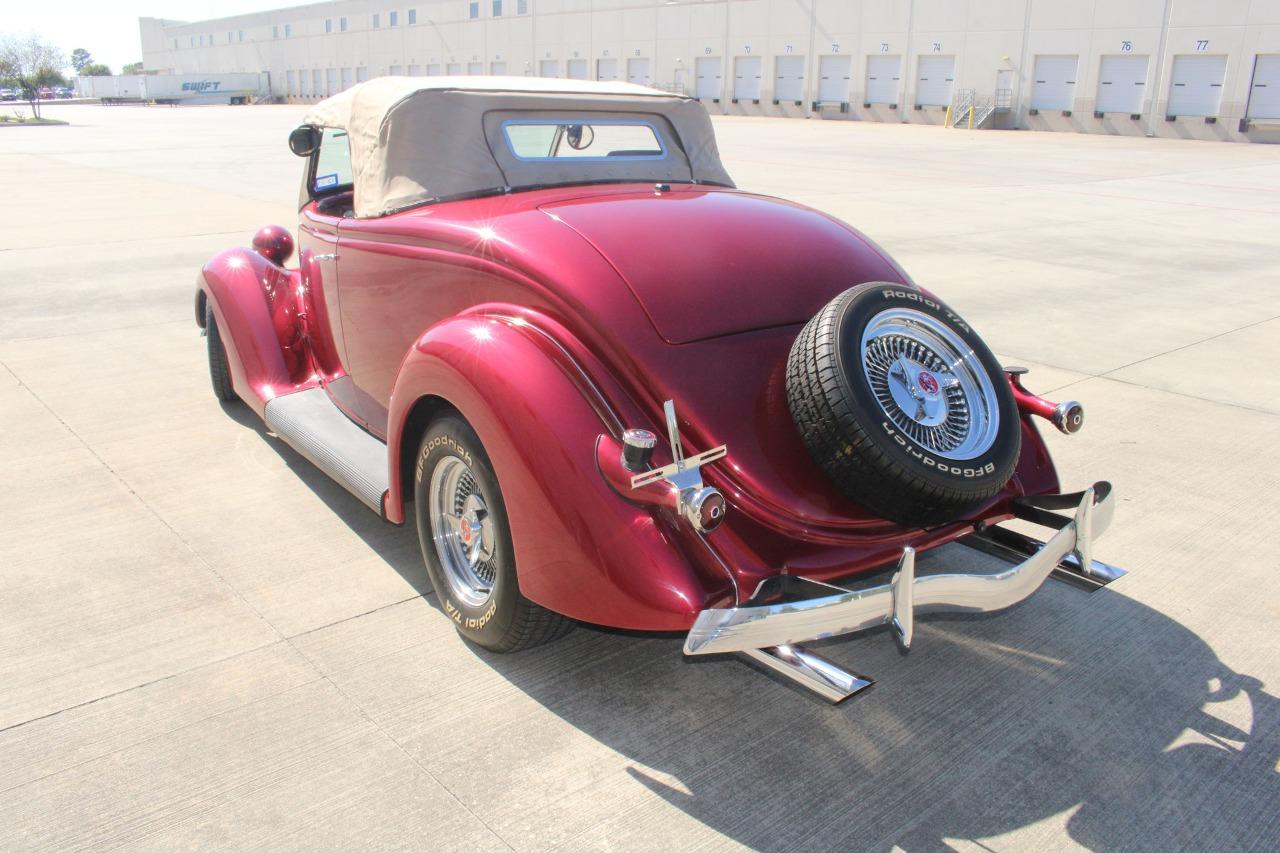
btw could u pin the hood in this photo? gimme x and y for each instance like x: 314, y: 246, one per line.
x: 705, y: 263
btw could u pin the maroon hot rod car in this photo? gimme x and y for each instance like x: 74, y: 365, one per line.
x: 616, y: 389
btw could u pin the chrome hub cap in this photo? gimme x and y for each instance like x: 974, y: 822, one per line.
x: 462, y: 530
x: 930, y: 384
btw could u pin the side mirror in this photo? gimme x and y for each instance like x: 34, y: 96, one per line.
x: 304, y: 140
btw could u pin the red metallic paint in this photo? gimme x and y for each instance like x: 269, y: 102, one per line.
x: 546, y: 318
x: 273, y: 243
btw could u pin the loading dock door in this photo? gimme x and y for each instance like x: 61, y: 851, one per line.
x: 549, y: 68
x: 1054, y: 85
x: 606, y: 69
x: 1122, y: 84
x: 883, y: 79
x: 746, y: 78
x: 1196, y: 86
x: 475, y: 68
x: 638, y: 71
x: 709, y: 85
x: 933, y: 84
x: 453, y: 69
x: 1264, y: 94
x: 788, y: 78
x: 577, y: 69
x: 833, y: 79
x: 348, y: 79
x: 497, y: 68
x: 317, y: 83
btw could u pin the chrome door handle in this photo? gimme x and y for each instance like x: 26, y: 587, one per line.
x: 328, y: 257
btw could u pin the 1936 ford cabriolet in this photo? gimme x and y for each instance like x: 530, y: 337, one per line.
x: 616, y: 389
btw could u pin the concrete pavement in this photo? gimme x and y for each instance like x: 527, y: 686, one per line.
x: 206, y: 643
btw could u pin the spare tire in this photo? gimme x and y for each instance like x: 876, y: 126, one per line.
x: 903, y: 405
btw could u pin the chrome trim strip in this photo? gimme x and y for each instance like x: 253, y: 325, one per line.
x: 742, y: 629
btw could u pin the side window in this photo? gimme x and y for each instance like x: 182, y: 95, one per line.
x: 333, y: 163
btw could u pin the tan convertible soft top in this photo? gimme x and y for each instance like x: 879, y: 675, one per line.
x: 417, y: 139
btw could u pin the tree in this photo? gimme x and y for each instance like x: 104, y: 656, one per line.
x: 132, y: 68
x: 80, y: 58
x: 30, y: 64
x: 95, y: 69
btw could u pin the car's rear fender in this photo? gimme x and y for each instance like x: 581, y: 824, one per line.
x: 255, y: 303
x: 581, y: 549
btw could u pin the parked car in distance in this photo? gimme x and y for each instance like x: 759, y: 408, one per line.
x: 45, y: 93
x: 9, y: 94
x: 508, y: 289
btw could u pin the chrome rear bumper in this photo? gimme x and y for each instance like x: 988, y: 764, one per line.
x: 769, y: 632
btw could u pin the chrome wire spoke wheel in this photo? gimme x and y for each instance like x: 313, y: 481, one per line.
x: 930, y: 384
x: 462, y: 530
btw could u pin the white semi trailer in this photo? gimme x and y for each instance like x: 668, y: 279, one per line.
x: 229, y: 88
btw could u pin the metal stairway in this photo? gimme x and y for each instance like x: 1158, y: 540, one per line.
x: 973, y: 112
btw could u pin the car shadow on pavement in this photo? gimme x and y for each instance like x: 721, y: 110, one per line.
x: 1089, y: 711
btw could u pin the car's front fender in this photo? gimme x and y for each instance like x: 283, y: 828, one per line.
x: 581, y: 549
x: 254, y: 302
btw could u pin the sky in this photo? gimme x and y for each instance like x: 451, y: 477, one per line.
x: 109, y: 30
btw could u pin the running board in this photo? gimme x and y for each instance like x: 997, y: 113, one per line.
x: 311, y: 424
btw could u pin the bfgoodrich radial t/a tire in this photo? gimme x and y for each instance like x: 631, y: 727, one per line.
x: 903, y: 405
x: 466, y: 543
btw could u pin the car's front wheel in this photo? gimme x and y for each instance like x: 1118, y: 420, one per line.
x: 219, y: 370
x: 466, y: 543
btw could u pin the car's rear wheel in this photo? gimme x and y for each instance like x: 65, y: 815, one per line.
x: 219, y: 370
x: 903, y: 405
x: 466, y: 543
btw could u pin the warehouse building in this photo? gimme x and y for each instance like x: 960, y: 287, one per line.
x: 1204, y: 69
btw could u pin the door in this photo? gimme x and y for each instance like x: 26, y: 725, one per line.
x: 317, y: 83
x: 395, y: 70
x: 415, y: 71
x: 1053, y: 85
x: 348, y: 79
x: 362, y: 74
x: 1264, y: 94
x: 884, y: 79
x: 497, y: 68
x: 475, y: 68
x: 454, y: 69
x: 708, y: 85
x: 746, y: 78
x: 606, y: 69
x: 788, y: 78
x: 1122, y: 84
x: 638, y: 71
x: 1195, y: 89
x: 577, y: 69
x: 834, y: 79
x: 331, y: 82
x: 291, y: 82
x: 549, y: 68
x: 433, y: 69
x: 317, y: 252
x: 934, y: 79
